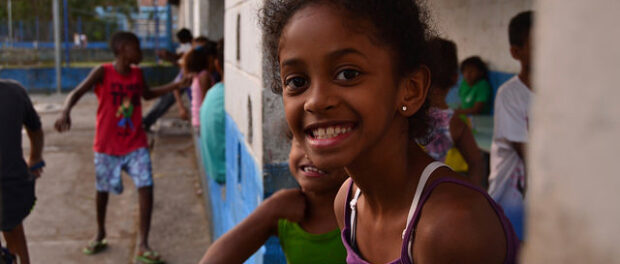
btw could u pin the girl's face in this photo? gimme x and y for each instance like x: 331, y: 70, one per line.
x: 471, y: 74
x: 311, y: 178
x: 339, y: 90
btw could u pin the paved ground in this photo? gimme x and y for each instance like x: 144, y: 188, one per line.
x: 63, y: 220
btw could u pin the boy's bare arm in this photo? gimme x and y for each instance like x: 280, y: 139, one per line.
x: 150, y: 93
x: 466, y: 144
x: 476, y: 109
x: 63, y: 123
x: 182, y: 110
x: 238, y: 244
x: 521, y: 147
x: 36, y: 149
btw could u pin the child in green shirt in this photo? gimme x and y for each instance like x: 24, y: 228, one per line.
x: 475, y: 90
x: 303, y: 219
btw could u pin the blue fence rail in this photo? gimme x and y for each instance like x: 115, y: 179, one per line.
x: 44, y: 79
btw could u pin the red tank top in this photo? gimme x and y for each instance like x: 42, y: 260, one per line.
x: 119, y: 115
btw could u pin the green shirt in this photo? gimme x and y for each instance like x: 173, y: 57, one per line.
x: 301, y: 247
x: 479, y: 92
x: 213, y: 133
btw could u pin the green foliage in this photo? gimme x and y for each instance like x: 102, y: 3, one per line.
x: 95, y: 27
x: 30, y: 9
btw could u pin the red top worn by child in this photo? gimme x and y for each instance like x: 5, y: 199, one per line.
x: 119, y: 115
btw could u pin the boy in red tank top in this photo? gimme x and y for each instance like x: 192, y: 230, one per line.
x: 120, y: 140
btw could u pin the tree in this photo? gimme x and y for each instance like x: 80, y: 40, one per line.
x: 28, y: 11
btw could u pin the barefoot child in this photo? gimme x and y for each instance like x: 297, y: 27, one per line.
x: 120, y: 140
x: 451, y: 141
x: 303, y: 219
x: 354, y: 87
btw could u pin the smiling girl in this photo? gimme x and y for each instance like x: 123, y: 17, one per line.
x: 302, y: 219
x: 354, y: 84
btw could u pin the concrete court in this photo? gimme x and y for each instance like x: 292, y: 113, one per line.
x: 63, y: 220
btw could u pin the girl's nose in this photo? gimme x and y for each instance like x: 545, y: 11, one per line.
x: 321, y: 98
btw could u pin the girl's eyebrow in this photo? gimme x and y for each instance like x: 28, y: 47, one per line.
x: 292, y: 62
x: 334, y: 55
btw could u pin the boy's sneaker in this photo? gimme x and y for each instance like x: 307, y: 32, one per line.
x: 6, y: 257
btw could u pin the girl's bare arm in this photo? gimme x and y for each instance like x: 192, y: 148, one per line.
x: 238, y: 244
x: 466, y: 144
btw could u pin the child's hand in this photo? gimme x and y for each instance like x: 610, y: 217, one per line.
x: 288, y: 204
x: 63, y: 123
x: 186, y: 81
x: 183, y: 113
x: 36, y: 172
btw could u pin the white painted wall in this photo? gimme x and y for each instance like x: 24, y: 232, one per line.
x: 185, y: 14
x: 203, y: 17
x: 479, y: 27
x: 243, y: 77
x: 573, y: 193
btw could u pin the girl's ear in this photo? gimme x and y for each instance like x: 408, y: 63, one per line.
x: 413, y: 90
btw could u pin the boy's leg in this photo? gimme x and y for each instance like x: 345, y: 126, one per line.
x: 102, y: 204
x: 138, y: 166
x: 145, y: 197
x: 107, y: 179
x: 16, y: 243
x: 158, y: 110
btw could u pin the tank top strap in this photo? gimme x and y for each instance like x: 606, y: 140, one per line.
x: 416, y: 204
x: 511, y: 238
x: 351, y: 214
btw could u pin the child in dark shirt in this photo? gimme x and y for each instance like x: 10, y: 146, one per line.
x: 17, y: 177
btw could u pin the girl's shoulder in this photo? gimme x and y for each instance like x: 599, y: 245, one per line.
x: 459, y: 220
x: 340, y: 202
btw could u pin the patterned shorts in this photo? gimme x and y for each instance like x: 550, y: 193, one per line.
x: 108, y: 170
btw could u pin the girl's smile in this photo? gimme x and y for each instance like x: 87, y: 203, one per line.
x: 309, y: 177
x: 328, y: 134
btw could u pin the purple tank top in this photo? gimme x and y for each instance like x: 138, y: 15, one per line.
x: 512, y: 242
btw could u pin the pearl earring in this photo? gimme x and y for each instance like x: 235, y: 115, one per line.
x: 404, y: 108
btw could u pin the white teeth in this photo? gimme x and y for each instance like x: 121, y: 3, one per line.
x: 313, y: 169
x: 330, y: 132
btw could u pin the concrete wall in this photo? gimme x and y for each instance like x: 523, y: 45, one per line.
x: 203, y: 17
x: 256, y: 148
x: 573, y: 192
x: 479, y: 27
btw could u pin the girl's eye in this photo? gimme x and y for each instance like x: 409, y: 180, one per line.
x: 296, y: 83
x: 346, y: 75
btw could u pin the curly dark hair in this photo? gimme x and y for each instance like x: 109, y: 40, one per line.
x: 476, y: 62
x: 197, y: 59
x: 400, y: 25
x: 445, y: 63
x: 121, y: 38
x: 184, y: 35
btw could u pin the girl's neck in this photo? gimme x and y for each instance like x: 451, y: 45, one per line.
x: 122, y: 67
x: 388, y: 173
x: 319, y: 217
x: 437, y: 97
